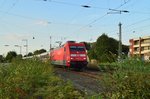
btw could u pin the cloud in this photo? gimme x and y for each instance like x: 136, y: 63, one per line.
x: 42, y: 22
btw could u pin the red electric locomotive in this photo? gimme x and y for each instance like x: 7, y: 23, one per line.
x: 71, y: 54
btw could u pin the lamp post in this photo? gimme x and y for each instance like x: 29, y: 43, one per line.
x: 19, y: 47
x: 26, y: 40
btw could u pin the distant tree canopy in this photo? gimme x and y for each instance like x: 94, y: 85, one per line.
x: 105, y: 49
x: 10, y: 55
x: 30, y: 54
x: 13, y: 55
x: 39, y: 51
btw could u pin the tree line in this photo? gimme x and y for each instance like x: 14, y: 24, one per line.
x: 12, y: 54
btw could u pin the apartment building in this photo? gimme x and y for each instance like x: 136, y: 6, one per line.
x: 140, y: 47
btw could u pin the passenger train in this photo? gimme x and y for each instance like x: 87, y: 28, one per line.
x: 71, y: 55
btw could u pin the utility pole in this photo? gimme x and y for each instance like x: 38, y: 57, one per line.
x: 115, y: 11
x: 50, y: 46
x: 19, y: 47
x: 120, y: 43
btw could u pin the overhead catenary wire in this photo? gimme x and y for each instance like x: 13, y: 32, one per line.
x: 39, y: 19
x: 125, y: 2
x: 143, y: 20
x: 72, y: 4
x: 21, y: 16
x: 74, y: 17
x: 101, y: 17
x: 141, y: 27
x: 10, y: 8
x: 135, y: 23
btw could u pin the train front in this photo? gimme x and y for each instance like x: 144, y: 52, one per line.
x: 78, y: 56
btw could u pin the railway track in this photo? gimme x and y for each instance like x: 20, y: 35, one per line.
x: 91, y: 74
x: 87, y: 81
x: 95, y: 74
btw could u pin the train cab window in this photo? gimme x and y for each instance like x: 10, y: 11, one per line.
x: 77, y: 48
x: 73, y: 48
x: 81, y: 48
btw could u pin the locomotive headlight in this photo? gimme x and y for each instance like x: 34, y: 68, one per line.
x: 82, y: 55
x: 73, y: 55
x: 84, y: 58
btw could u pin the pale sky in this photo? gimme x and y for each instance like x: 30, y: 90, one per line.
x: 65, y: 20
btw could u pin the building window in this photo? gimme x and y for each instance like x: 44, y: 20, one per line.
x: 136, y: 49
x: 142, y: 48
x: 136, y: 42
x: 148, y: 47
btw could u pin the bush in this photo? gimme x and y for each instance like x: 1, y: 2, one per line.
x: 130, y: 81
x: 108, y: 67
x: 28, y: 79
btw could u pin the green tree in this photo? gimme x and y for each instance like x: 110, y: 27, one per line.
x: 103, y: 48
x: 10, y: 55
x: 30, y: 54
x: 39, y: 51
x: 42, y: 51
x: 36, y: 52
x: 92, y: 52
x: 106, y: 49
x: 2, y: 59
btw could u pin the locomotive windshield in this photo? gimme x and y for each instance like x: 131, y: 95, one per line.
x: 77, y: 48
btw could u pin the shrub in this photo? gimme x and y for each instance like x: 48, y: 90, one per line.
x: 108, y: 67
x: 28, y: 79
x: 130, y: 81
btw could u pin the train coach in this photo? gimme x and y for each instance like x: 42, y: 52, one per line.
x: 71, y: 55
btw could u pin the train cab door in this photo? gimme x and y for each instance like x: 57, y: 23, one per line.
x: 64, y: 56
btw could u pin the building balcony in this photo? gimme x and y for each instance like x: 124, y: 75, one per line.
x: 136, y: 52
x: 136, y: 45
x: 145, y: 44
x: 145, y: 51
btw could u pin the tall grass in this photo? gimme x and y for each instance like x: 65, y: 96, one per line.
x: 130, y: 81
x: 28, y: 79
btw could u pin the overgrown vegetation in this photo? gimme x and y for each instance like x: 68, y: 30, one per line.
x: 131, y: 80
x: 10, y: 55
x: 29, y: 79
